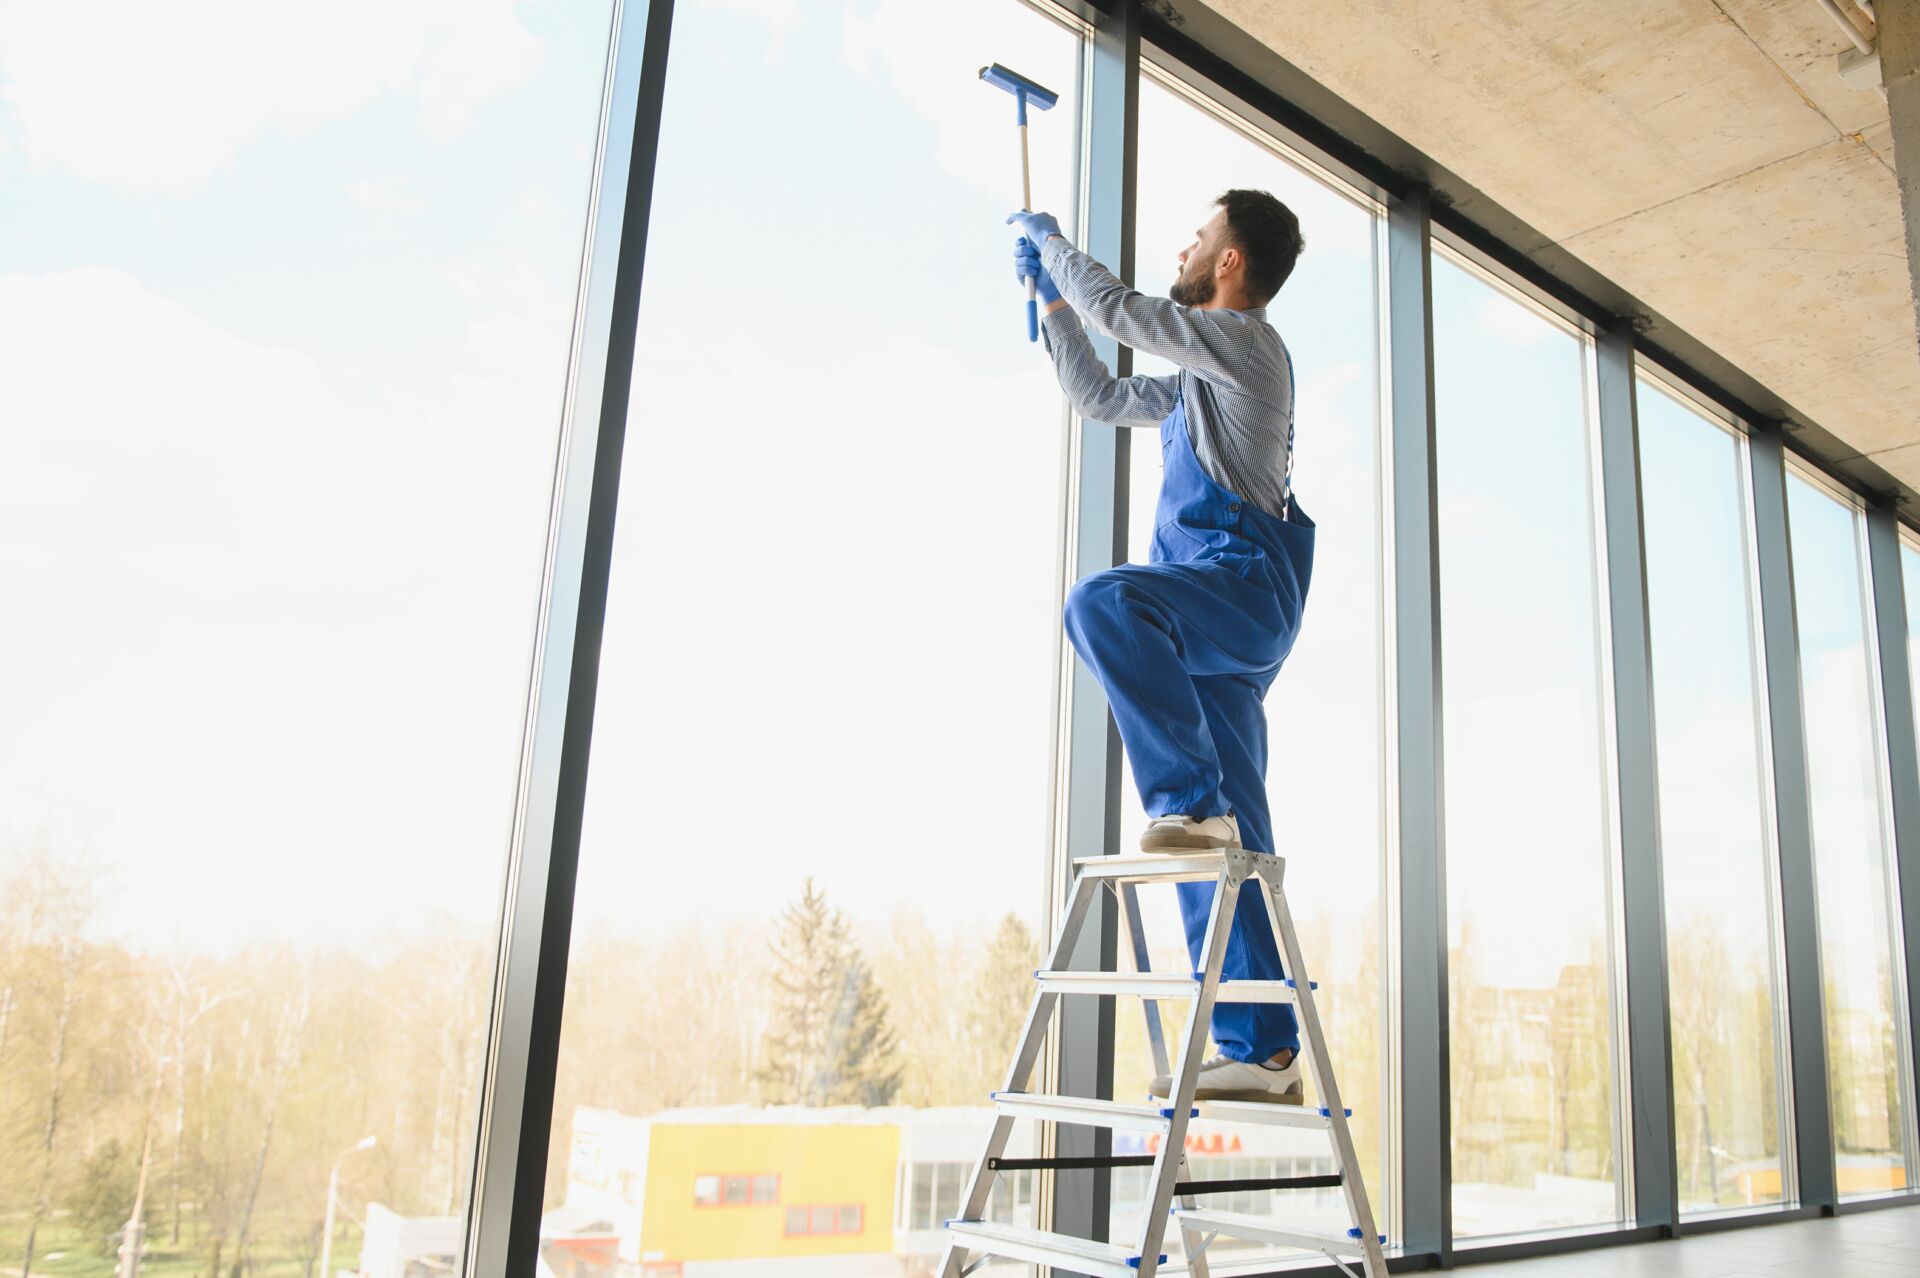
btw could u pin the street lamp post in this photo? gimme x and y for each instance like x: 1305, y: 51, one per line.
x: 333, y: 1193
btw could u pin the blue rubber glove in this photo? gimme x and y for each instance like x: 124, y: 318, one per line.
x: 1026, y: 265
x: 1035, y: 226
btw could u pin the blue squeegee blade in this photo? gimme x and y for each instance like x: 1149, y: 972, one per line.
x: 1015, y: 83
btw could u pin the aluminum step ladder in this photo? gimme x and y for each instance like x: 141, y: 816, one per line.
x: 973, y: 1241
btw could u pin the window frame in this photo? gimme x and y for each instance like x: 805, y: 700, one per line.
x: 1447, y: 245
x: 1899, y: 956
x: 1648, y: 370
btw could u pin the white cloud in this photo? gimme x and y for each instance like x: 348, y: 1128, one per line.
x: 286, y: 619
x: 910, y: 46
x: 1849, y: 835
x: 1514, y: 323
x: 178, y: 91
x: 780, y: 17
x: 777, y: 563
x: 1524, y: 823
x: 386, y: 195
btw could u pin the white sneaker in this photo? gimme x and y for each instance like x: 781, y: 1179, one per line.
x: 1188, y: 834
x: 1224, y: 1079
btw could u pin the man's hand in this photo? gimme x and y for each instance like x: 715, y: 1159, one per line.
x: 1026, y: 266
x: 1035, y: 226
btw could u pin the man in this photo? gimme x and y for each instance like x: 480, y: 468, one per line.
x: 1187, y: 644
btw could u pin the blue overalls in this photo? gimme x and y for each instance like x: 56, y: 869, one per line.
x: 1186, y: 646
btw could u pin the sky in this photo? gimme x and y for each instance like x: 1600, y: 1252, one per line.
x: 1844, y: 764
x: 1716, y: 839
x: 282, y: 350
x: 281, y: 387
x: 282, y: 344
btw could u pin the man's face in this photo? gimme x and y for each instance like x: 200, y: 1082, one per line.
x: 1195, y: 284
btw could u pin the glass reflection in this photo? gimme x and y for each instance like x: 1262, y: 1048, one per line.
x: 1847, y: 789
x: 1715, y: 830
x: 1530, y: 970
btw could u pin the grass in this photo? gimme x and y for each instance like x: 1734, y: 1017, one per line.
x: 63, y: 1251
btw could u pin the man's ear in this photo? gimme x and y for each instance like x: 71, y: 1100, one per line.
x: 1230, y: 261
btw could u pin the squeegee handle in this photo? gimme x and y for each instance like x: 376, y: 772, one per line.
x: 1026, y: 202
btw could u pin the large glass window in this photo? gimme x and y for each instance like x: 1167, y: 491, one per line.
x: 285, y: 309
x: 1910, y: 590
x: 1325, y: 769
x: 1716, y: 844
x: 1847, y: 783
x: 815, y: 851
x: 1528, y: 826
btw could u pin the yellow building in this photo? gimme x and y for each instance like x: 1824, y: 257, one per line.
x: 743, y: 1192
x: 736, y: 1191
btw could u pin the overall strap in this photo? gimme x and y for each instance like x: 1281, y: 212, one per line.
x: 1286, y: 479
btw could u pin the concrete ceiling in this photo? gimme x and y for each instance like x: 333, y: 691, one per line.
x: 1703, y: 154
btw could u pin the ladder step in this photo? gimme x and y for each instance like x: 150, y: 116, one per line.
x: 1266, y: 1229
x: 1266, y: 1114
x: 1086, y: 1111
x: 1257, y: 1183
x: 1156, y: 985
x: 1091, y: 1163
x: 1097, y: 1259
x: 1155, y: 867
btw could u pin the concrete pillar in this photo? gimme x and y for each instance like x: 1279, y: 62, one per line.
x: 1899, y: 44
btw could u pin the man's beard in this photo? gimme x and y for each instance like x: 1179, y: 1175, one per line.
x: 1195, y: 291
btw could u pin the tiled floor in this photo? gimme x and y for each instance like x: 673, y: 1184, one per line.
x: 1872, y: 1244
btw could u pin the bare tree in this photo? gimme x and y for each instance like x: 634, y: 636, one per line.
x: 1002, y: 989
x: 69, y: 950
x: 57, y: 903
x: 149, y: 1044
x: 282, y: 1057
x: 304, y: 1242
x: 1700, y: 993
x: 187, y: 1002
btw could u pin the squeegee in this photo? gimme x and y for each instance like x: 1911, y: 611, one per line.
x: 1024, y: 91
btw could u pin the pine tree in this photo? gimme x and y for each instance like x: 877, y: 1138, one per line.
x: 864, y: 1067
x: 829, y: 1042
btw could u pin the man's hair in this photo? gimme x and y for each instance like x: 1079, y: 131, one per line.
x: 1268, y: 235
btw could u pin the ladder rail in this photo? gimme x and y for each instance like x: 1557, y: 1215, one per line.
x: 1129, y: 891
x: 1033, y: 1036
x: 1325, y: 1088
x: 1149, y: 1008
x: 1226, y: 892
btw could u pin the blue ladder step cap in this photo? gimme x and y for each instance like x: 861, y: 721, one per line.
x: 1167, y: 1111
x: 1324, y: 1112
x: 1354, y: 1232
x: 1288, y: 982
x: 1133, y: 1262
